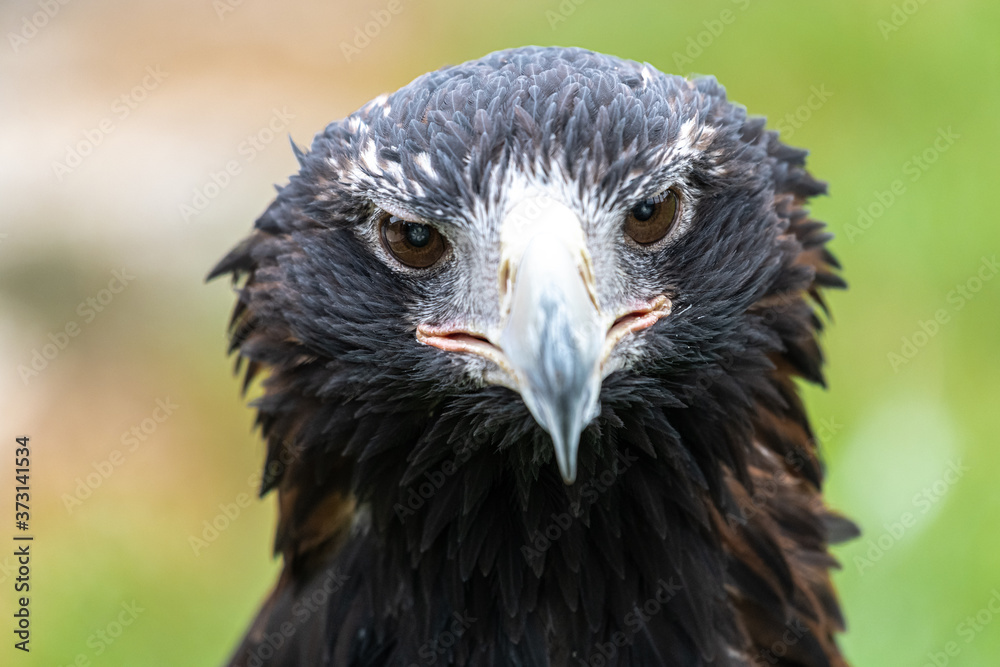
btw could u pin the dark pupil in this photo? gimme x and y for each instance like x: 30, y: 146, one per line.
x: 417, y: 235
x: 644, y: 211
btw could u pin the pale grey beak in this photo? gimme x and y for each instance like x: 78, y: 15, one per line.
x: 553, y: 336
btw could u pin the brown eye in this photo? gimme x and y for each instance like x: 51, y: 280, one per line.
x: 412, y: 243
x: 650, y: 221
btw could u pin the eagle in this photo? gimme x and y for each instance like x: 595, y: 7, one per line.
x: 530, y: 330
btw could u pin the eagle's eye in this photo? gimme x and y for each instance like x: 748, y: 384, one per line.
x: 412, y: 243
x: 650, y: 221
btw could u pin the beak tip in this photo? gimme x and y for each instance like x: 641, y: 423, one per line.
x: 566, y: 446
x: 568, y: 475
x: 565, y: 427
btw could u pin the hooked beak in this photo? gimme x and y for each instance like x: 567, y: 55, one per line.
x: 553, y: 338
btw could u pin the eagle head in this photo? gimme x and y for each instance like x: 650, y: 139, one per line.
x: 542, y: 280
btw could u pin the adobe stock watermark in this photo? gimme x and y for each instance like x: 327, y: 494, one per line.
x: 913, y: 169
x: 957, y: 298
x: 764, y: 491
x: 370, y: 30
x: 31, y: 24
x: 970, y: 628
x: 795, y: 630
x: 433, y: 480
x: 131, y: 441
x: 304, y: 608
x: 88, y: 310
x: 704, y: 39
x: 561, y: 13
x: 543, y: 539
x: 900, y: 14
x: 223, y: 7
x: 922, y: 502
x: 101, y: 639
x: 121, y: 108
x: 727, y: 362
x: 8, y: 568
x: 792, y: 121
x: 634, y: 622
x: 433, y: 649
x: 229, y: 512
x: 247, y: 151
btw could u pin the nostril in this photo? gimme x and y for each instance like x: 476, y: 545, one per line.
x: 506, y: 282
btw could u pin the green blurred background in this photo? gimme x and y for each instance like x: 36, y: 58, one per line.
x: 897, y: 102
